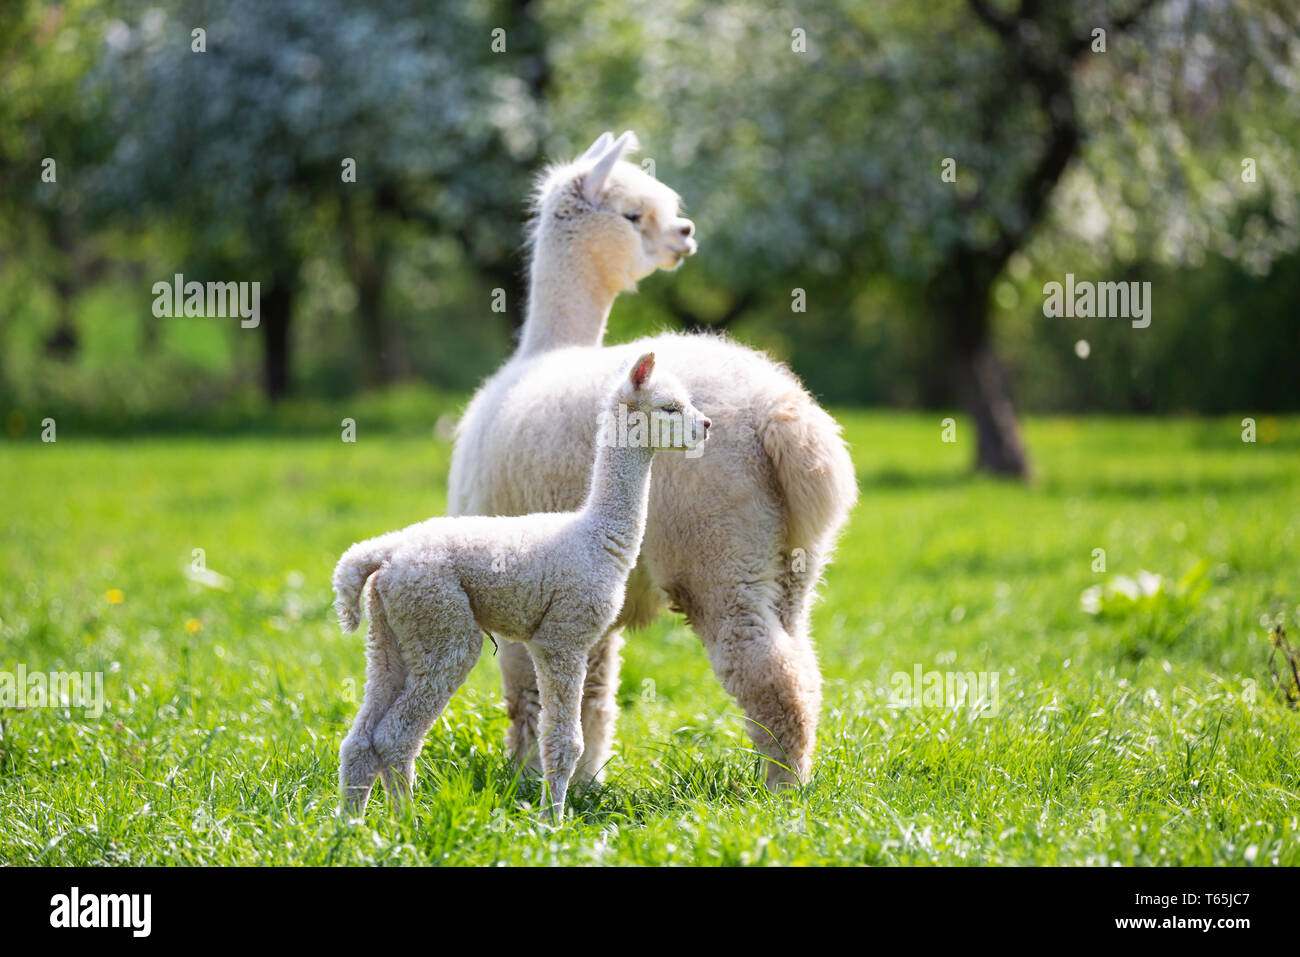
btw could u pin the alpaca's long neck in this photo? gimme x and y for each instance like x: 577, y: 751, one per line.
x: 619, y: 497
x: 568, y: 302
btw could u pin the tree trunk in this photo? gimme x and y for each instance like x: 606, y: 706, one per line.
x: 505, y: 274
x: 979, y: 380
x: 276, y: 313
x: 381, y: 356
x: 983, y: 389
x: 368, y: 249
x: 151, y: 325
x: 64, y: 341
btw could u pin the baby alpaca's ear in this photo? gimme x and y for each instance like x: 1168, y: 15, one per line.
x: 641, y: 370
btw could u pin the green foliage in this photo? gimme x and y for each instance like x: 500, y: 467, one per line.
x: 815, y: 169
x: 45, y: 52
x: 1221, y: 340
x: 1122, y: 596
x: 825, y: 176
x: 249, y: 135
x: 829, y: 161
x: 226, y: 706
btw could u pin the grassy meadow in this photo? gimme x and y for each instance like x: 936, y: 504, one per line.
x: 1146, y: 733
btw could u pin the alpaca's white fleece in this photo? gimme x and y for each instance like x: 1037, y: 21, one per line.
x: 553, y: 580
x: 737, y: 539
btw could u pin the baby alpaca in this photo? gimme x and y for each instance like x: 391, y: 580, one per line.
x: 553, y: 581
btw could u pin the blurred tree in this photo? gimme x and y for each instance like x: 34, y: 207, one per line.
x: 814, y: 145
x: 244, y: 140
x: 811, y: 148
x: 48, y: 135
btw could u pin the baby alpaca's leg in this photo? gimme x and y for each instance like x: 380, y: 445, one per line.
x: 437, y: 664
x: 642, y: 603
x: 385, y: 676
x: 599, y: 705
x: 561, y: 670
x: 430, y: 683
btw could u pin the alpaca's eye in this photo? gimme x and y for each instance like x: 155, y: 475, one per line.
x: 670, y: 409
x: 632, y: 217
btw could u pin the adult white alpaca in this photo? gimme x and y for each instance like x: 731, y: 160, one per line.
x: 736, y: 540
x: 553, y: 582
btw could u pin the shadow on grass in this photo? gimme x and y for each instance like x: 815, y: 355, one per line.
x: 677, y: 780
x: 1147, y: 488
x: 897, y: 478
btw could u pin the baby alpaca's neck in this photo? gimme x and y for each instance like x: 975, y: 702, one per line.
x: 619, y: 497
x: 568, y: 302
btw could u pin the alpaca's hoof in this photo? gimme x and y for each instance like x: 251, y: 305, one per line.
x: 353, y: 806
x: 781, y: 778
x: 557, y: 790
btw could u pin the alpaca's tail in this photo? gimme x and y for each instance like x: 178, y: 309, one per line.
x: 357, y: 565
x: 813, y: 469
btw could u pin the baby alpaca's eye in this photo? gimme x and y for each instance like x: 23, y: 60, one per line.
x: 632, y: 217
x: 670, y: 409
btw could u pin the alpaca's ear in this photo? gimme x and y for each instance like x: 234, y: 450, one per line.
x: 594, y: 181
x: 642, y: 369
x: 630, y: 143
x: 598, y: 147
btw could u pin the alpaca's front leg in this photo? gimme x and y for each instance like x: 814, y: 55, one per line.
x: 599, y: 705
x: 561, y: 670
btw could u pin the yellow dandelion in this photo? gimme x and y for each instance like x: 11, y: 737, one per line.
x: 115, y: 596
x: 194, y: 626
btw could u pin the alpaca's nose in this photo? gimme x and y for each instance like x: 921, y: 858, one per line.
x: 707, y: 423
x: 687, y: 229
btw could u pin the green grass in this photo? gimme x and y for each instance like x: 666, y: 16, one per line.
x: 1151, y: 736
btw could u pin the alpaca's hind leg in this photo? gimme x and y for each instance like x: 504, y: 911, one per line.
x: 561, y: 672
x: 436, y: 664
x: 721, y: 560
x: 385, y: 676
x: 430, y: 682
x: 599, y: 705
x: 523, y: 705
x: 771, y: 673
